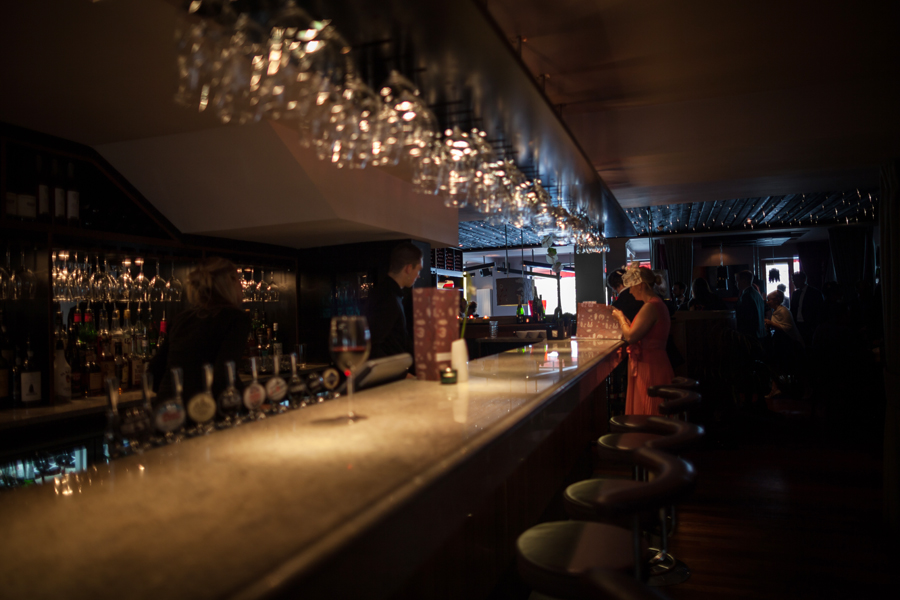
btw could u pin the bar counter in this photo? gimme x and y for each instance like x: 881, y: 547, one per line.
x: 303, y: 502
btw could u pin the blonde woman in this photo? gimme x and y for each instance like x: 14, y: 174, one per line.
x: 648, y: 364
x: 213, y: 330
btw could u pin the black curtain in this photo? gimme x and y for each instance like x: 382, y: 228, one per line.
x: 815, y: 262
x: 852, y: 252
x: 889, y: 221
x: 680, y: 260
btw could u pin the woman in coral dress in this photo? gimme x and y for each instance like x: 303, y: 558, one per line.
x: 648, y: 364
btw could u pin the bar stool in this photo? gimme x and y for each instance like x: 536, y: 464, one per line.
x: 676, y: 401
x: 553, y: 556
x: 683, y: 383
x: 660, y: 434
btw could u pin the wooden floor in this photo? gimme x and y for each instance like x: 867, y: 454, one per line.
x: 783, y: 509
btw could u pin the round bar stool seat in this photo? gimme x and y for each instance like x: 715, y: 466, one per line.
x: 580, y: 497
x: 626, y: 442
x: 612, y: 585
x: 553, y: 556
x: 684, y: 383
x: 675, y: 401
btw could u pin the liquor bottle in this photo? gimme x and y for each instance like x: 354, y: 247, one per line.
x: 127, y: 334
x: 45, y: 214
x: 113, y: 436
x: 73, y: 199
x: 6, y: 347
x: 163, y: 328
x: 95, y: 375
x: 520, y: 312
x: 59, y: 194
x: 62, y: 373
x: 15, y: 374
x: 5, y: 382
x: 136, y: 365
x: 262, y: 350
x: 31, y: 377
x: 201, y: 408
x: 229, y: 399
x: 152, y: 334
x: 88, y: 329
x: 59, y: 330
x: 277, y: 347
x: 76, y: 363
x: 121, y: 366
x: 103, y: 333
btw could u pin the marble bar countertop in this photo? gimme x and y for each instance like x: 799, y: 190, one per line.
x: 233, y: 513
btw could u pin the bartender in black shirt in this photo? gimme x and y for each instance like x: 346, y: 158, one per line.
x: 387, y: 319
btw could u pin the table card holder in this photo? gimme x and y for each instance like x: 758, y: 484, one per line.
x: 435, y: 327
x: 596, y: 322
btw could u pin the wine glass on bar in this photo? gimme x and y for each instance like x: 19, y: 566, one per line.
x: 350, y: 343
x: 158, y: 285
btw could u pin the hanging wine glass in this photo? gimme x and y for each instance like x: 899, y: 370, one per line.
x: 175, y: 287
x: 59, y: 277
x: 245, y: 285
x: 96, y: 294
x: 124, y: 282
x: 274, y: 289
x: 158, y: 292
x: 72, y: 274
x: 141, y: 290
x: 81, y: 283
x: 262, y: 288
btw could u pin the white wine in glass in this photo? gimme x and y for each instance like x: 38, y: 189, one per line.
x: 350, y: 344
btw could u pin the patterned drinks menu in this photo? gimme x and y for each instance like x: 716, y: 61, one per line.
x: 596, y: 321
x: 435, y: 327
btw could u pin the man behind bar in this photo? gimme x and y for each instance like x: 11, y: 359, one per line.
x: 387, y: 319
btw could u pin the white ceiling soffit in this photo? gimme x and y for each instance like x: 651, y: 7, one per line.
x: 257, y: 183
x: 107, y: 78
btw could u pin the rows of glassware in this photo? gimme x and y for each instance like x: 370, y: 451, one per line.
x: 75, y: 279
x: 18, y: 283
x: 82, y: 277
x: 299, y: 69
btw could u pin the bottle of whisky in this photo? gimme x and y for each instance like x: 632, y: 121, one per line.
x: 31, y: 377
x: 62, y: 373
x: 121, y: 367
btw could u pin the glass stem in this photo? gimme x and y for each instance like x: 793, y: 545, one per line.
x: 350, y: 394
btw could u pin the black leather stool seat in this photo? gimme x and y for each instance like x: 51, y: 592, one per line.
x: 604, y: 499
x: 553, y: 556
x: 669, y: 435
x: 684, y: 383
x: 675, y: 401
x: 628, y: 423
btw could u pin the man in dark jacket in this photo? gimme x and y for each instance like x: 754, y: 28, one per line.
x: 387, y: 318
x: 807, y: 304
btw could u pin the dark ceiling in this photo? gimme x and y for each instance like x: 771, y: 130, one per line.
x: 702, y: 100
x: 756, y: 214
